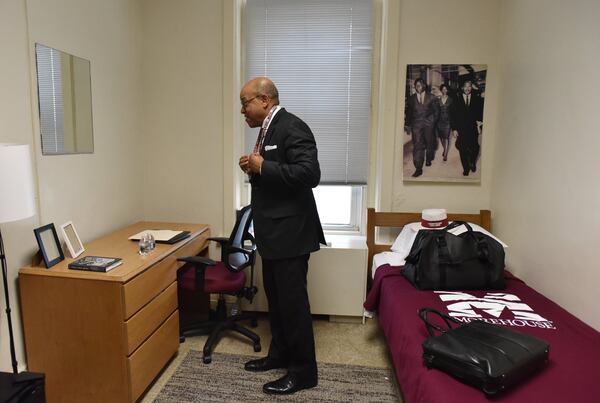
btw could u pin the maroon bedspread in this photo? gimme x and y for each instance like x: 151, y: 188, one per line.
x: 572, y: 375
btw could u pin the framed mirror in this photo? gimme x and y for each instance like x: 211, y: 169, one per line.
x: 65, y: 102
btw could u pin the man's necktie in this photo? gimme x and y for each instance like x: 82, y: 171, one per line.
x: 469, y: 100
x: 259, y: 141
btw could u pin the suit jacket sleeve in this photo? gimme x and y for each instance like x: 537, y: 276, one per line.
x: 301, y: 166
x: 409, y: 114
x: 479, y: 112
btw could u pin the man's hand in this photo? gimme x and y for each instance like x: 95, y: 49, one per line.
x: 244, y: 163
x: 255, y: 162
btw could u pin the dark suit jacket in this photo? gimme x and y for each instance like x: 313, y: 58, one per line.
x: 463, y: 118
x: 421, y: 115
x: 286, y: 222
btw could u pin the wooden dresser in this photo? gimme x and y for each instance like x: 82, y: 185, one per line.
x: 103, y: 337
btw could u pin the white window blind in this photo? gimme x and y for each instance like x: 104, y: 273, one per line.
x: 318, y: 54
x: 50, y: 95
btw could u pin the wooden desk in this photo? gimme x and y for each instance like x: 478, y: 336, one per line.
x: 103, y: 337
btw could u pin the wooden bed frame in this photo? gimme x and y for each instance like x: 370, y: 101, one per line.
x: 398, y: 220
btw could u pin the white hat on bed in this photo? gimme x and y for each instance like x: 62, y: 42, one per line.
x: 434, y: 218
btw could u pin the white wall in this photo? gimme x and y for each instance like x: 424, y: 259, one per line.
x: 15, y: 127
x: 98, y: 192
x: 182, y: 108
x: 546, y: 195
x: 455, y: 32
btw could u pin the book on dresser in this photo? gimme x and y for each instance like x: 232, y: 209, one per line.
x: 96, y: 263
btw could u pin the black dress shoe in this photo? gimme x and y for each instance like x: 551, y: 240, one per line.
x: 263, y: 364
x: 466, y: 172
x: 417, y: 173
x: 290, y: 383
x: 474, y: 168
x: 428, y: 163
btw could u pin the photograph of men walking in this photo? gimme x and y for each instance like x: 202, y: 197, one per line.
x: 443, y: 122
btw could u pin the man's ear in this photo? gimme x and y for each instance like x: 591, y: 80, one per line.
x: 264, y: 101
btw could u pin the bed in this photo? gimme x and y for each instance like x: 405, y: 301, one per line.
x: 572, y: 374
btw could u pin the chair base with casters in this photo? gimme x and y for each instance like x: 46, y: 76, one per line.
x: 216, y: 279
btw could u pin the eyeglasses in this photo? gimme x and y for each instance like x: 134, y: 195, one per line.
x: 246, y: 102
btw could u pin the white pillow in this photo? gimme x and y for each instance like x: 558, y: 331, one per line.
x: 406, y: 238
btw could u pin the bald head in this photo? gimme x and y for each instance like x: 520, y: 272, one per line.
x: 258, y: 97
x: 263, y: 87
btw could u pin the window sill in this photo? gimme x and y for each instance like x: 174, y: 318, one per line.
x: 345, y: 241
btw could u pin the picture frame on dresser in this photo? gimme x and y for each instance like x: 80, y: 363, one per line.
x: 50, y: 249
x: 72, y: 240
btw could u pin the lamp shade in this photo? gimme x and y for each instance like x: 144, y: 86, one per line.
x: 17, y: 196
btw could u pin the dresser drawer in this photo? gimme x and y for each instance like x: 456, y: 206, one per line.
x: 143, y: 288
x: 142, y: 324
x: 152, y: 355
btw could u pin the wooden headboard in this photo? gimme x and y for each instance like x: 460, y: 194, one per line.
x: 398, y: 220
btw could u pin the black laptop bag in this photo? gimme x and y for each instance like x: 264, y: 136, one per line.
x: 489, y: 357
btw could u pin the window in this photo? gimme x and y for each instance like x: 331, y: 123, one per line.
x: 50, y: 94
x: 339, y: 207
x: 319, y: 54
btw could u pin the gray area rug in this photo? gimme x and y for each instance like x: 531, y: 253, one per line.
x: 225, y: 380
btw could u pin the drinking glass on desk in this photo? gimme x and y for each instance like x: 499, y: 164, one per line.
x: 146, y: 244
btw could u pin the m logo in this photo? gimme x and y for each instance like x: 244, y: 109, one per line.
x: 494, y: 307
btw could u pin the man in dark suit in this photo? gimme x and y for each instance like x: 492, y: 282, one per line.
x: 283, y: 169
x: 466, y: 118
x: 421, y: 115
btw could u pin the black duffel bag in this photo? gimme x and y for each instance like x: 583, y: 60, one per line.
x: 440, y: 260
x: 489, y: 357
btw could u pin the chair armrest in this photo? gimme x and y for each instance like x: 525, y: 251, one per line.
x: 221, y: 240
x: 241, y: 250
x: 197, y: 260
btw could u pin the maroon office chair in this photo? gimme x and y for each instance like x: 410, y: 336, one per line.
x: 226, y: 277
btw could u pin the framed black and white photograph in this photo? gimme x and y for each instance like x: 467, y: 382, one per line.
x: 72, y: 239
x: 443, y: 122
x: 50, y: 249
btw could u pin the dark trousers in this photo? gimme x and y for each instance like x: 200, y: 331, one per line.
x: 424, y: 144
x: 468, y: 147
x: 289, y: 314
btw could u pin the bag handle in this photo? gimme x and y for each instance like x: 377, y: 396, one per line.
x: 483, y: 250
x: 423, y: 312
x: 456, y: 224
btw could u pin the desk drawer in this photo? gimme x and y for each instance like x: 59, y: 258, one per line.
x: 139, y: 291
x: 143, y: 288
x: 147, y: 361
x: 143, y: 323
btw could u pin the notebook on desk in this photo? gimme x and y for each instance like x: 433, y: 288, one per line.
x: 162, y: 235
